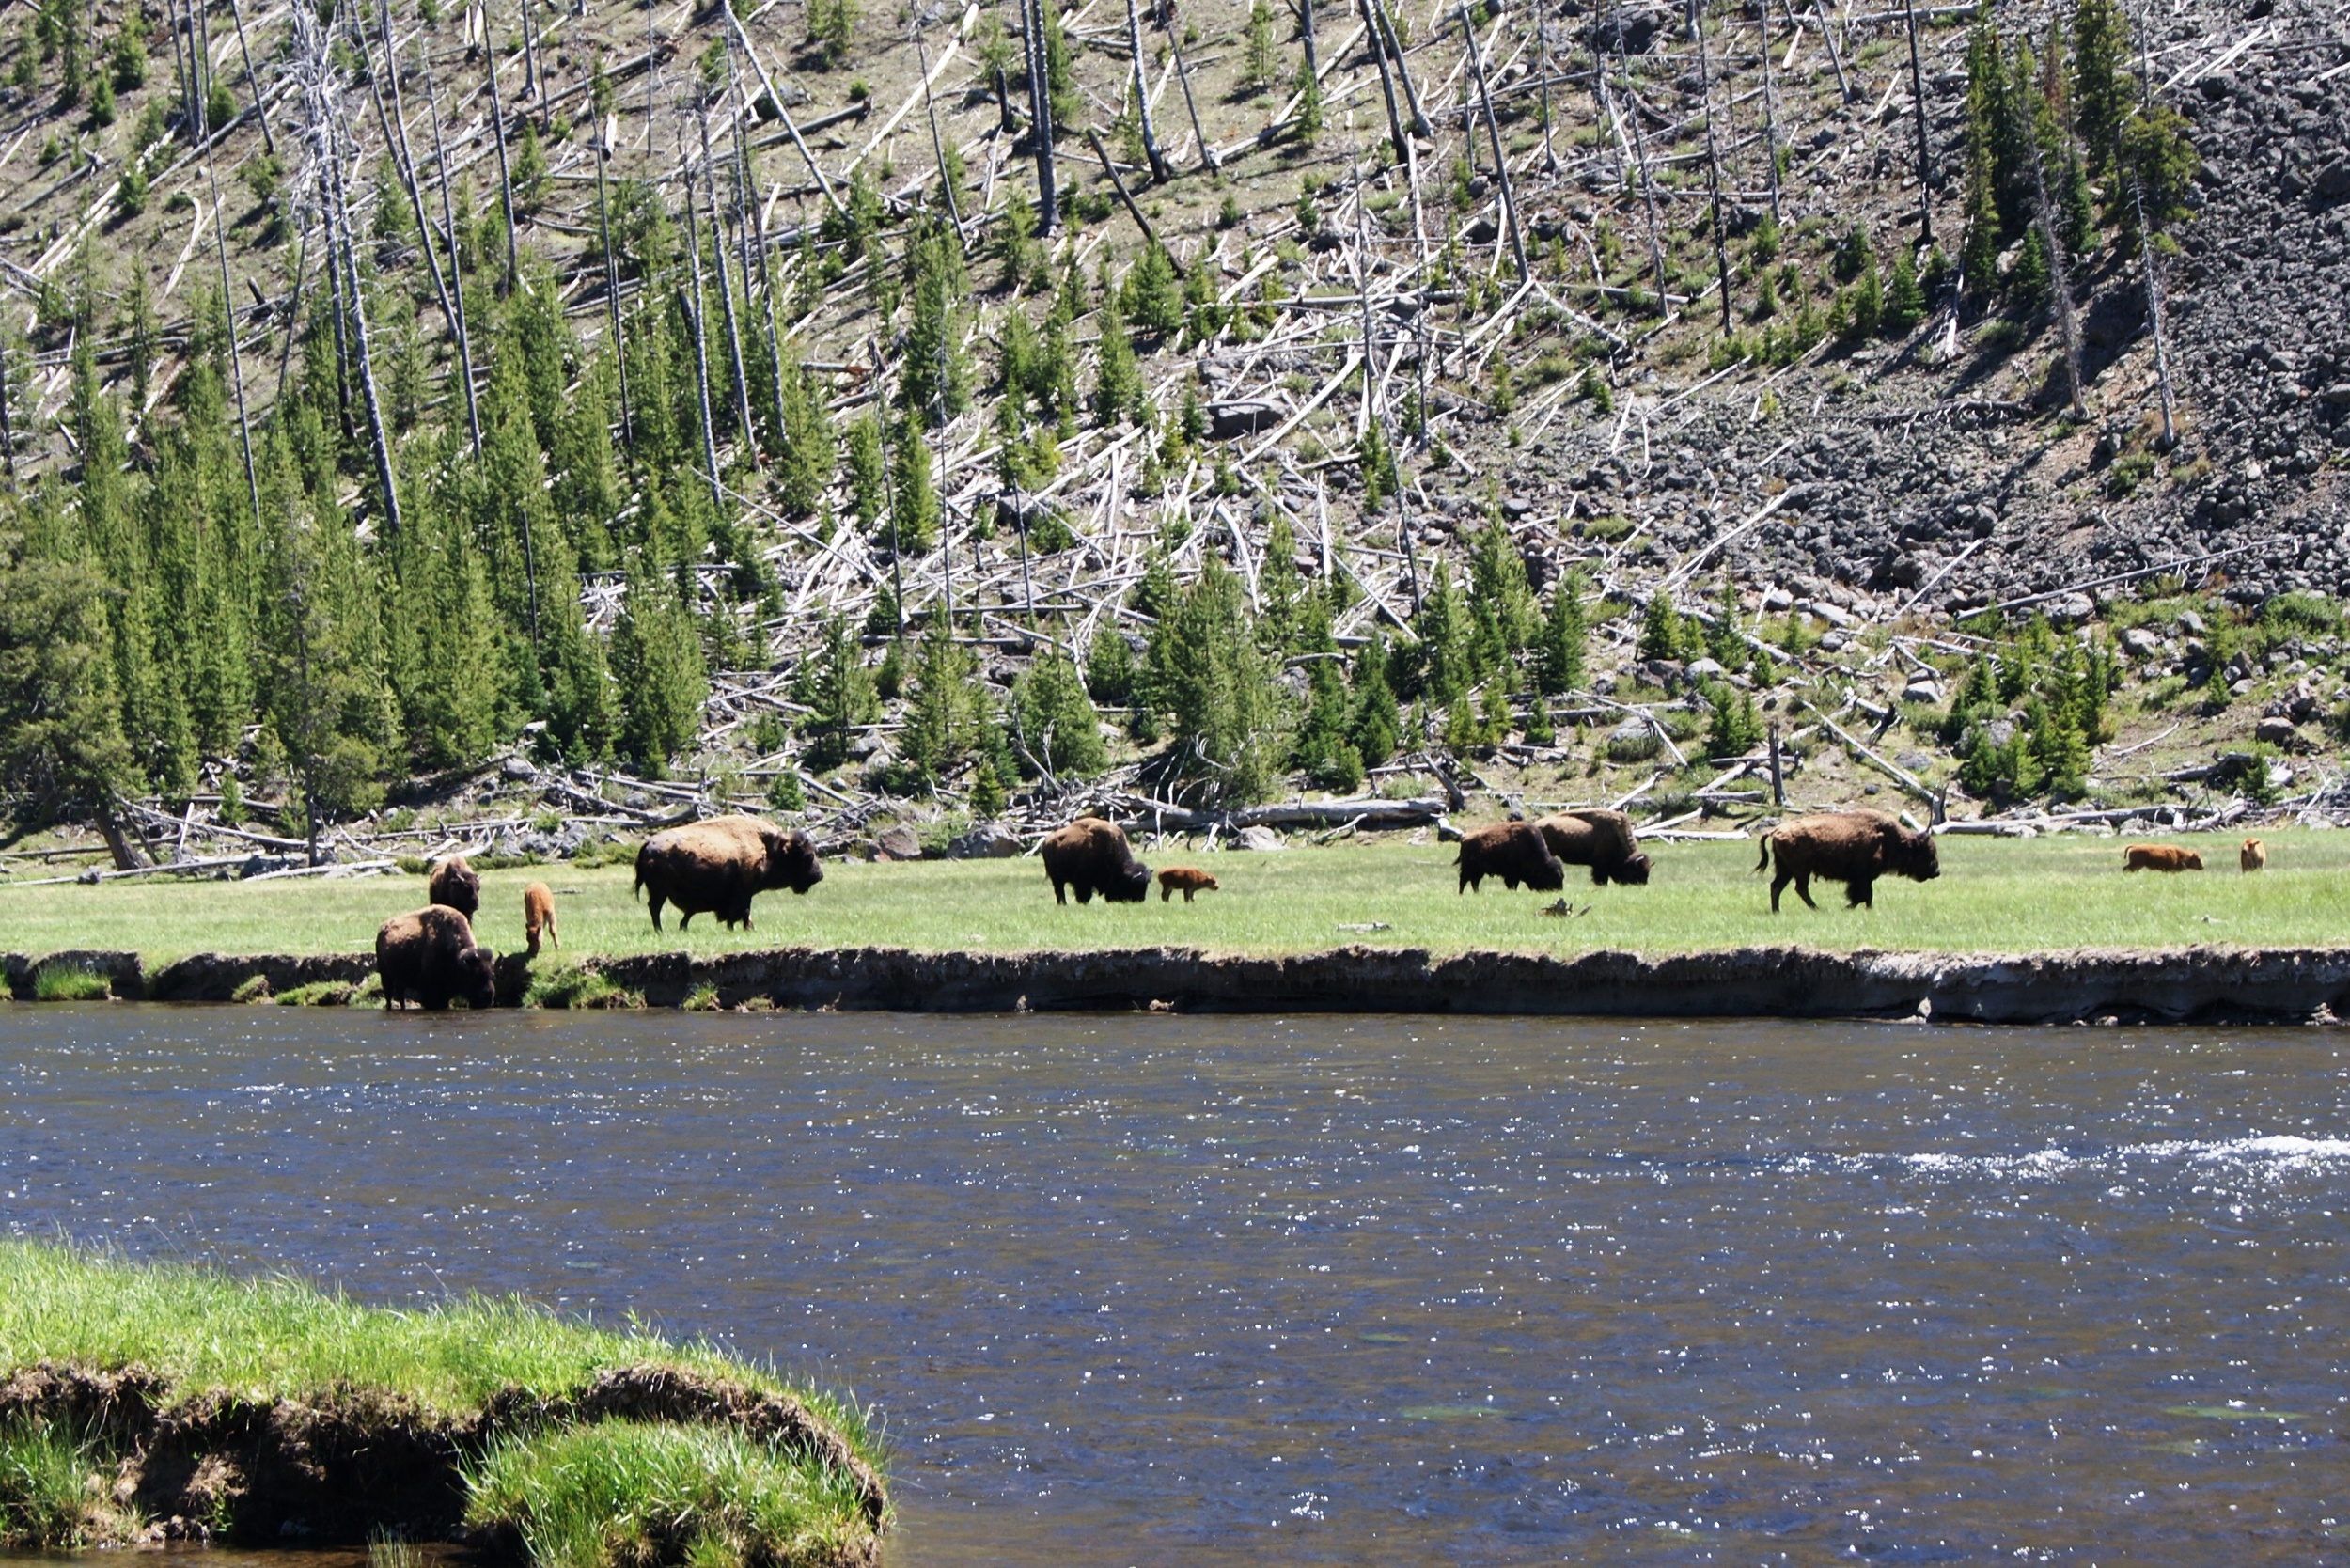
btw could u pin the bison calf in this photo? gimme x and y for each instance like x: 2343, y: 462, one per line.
x: 539, y: 916
x: 2253, y: 856
x: 1852, y: 847
x: 719, y: 866
x: 1598, y: 839
x: 2160, y: 857
x: 431, y: 956
x: 1515, y: 853
x: 453, y: 884
x: 1187, y: 879
x: 1090, y: 857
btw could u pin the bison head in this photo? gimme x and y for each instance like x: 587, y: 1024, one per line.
x: 790, y: 860
x: 1911, y: 854
x: 1130, y: 884
x: 476, y: 978
x: 1633, y: 872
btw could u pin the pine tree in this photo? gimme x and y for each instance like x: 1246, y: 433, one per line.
x: 1446, y: 670
x: 1307, y: 121
x: 1117, y: 382
x: 912, y: 501
x: 657, y: 662
x: 1258, y: 64
x: 1062, y: 731
x: 939, y: 724
x: 1109, y: 665
x: 1660, y: 628
x: 934, y: 377
x: 804, y: 468
x: 836, y: 688
x: 2102, y: 92
x: 1376, y: 726
x: 1725, y: 640
x: 1151, y: 298
x: 987, y: 790
x: 1904, y: 302
x: 1228, y: 716
x: 868, y: 480
x: 1735, y: 728
x: 62, y: 751
x: 1502, y: 606
x: 1566, y: 634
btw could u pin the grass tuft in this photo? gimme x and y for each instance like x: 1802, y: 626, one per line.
x: 320, y: 994
x: 653, y: 1495
x: 69, y: 982
x: 49, y: 1487
x: 572, y: 986
x: 254, y: 989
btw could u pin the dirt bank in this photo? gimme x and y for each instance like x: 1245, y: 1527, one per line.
x: 2131, y: 985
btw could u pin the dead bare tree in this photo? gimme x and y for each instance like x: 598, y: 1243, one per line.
x: 1501, y: 161
x: 506, y: 179
x: 693, y: 314
x: 1039, y: 115
x: 726, y: 297
x: 1387, y: 79
x: 456, y: 265
x: 1770, y: 110
x: 1713, y: 167
x: 252, y: 81
x: 1159, y: 169
x: 1918, y: 116
x: 1640, y: 152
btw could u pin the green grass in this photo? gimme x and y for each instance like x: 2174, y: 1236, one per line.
x: 637, y: 1492
x: 2062, y: 891
x: 69, y: 982
x: 48, y: 1495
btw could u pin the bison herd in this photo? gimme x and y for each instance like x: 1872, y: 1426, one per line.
x: 429, y: 957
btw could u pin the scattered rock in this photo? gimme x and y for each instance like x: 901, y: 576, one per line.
x: 1634, y: 740
x: 897, y: 842
x: 1260, y: 839
x: 988, y: 840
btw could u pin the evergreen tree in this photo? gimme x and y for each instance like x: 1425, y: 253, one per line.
x: 834, y: 684
x: 1442, y: 625
x: 1117, y: 382
x: 868, y: 476
x: 1109, y: 665
x: 657, y: 661
x: 1660, y: 628
x: 62, y: 751
x: 1280, y: 589
x: 2102, y: 92
x: 1229, y: 735
x: 1061, y: 730
x: 1151, y: 298
x: 1904, y: 302
x: 912, y: 501
x: 1260, y: 66
x: 1502, y: 606
x: 1015, y: 240
x: 1735, y: 728
x: 987, y: 790
x: 1566, y: 636
x: 1307, y: 121
x: 804, y: 468
x: 934, y: 376
x: 939, y: 725
x: 1325, y: 749
x: 1725, y: 640
x: 1376, y: 726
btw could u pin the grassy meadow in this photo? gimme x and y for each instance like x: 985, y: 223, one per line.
x: 1995, y: 894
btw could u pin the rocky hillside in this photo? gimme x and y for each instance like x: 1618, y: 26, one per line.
x: 1289, y: 445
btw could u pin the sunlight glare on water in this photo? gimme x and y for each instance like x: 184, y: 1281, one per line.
x: 1142, y: 1289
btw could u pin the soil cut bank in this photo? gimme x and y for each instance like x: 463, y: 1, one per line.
x: 157, y: 1403
x: 2090, y: 983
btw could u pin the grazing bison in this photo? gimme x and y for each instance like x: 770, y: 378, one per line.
x: 430, y: 955
x: 1190, y: 881
x: 539, y: 916
x: 453, y: 884
x: 1852, y: 847
x: 2253, y: 856
x: 719, y: 866
x: 1600, y: 840
x: 2160, y: 857
x: 1090, y: 855
x: 1515, y: 853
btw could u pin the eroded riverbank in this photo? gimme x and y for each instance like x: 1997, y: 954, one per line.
x: 2123, y: 985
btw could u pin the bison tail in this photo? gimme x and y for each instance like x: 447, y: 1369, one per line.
x: 1764, y: 864
x: 641, y: 872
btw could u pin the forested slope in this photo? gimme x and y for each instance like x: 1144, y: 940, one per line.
x: 837, y: 405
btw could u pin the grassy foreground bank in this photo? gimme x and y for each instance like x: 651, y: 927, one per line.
x: 1994, y: 894
x: 143, y: 1401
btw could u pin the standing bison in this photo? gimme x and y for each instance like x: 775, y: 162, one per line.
x: 1600, y: 840
x: 719, y: 866
x: 430, y: 955
x: 1852, y: 847
x: 453, y: 884
x: 1515, y: 853
x: 1090, y: 855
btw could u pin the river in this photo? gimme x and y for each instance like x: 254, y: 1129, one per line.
x: 1370, y: 1290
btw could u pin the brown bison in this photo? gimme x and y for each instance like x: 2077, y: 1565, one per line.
x: 1090, y: 855
x: 1515, y: 853
x: 2253, y: 856
x: 453, y: 884
x: 539, y: 916
x: 2160, y: 857
x: 719, y: 866
x: 1852, y: 847
x: 430, y: 955
x: 1600, y: 840
x: 1186, y: 878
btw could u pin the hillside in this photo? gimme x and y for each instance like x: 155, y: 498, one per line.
x: 1289, y: 446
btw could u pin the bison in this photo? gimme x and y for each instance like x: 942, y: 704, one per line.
x: 1600, y: 840
x: 430, y: 955
x: 2160, y: 857
x: 453, y: 884
x: 539, y: 916
x: 1852, y: 847
x: 2253, y: 856
x: 1090, y: 855
x: 1186, y: 878
x: 719, y: 866
x: 1515, y: 853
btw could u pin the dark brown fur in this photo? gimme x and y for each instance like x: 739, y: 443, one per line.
x: 453, y: 884
x: 1600, y: 840
x: 430, y: 955
x: 1091, y: 856
x: 2160, y: 857
x: 539, y: 915
x: 1852, y: 847
x: 1187, y: 879
x: 719, y: 866
x: 1515, y: 853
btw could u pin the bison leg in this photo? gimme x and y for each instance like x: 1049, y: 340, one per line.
x: 1803, y: 889
x: 655, y: 905
x: 1861, y: 893
x: 1186, y: 895
x: 1061, y: 893
x: 1084, y: 892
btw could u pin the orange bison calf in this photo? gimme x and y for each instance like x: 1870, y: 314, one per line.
x: 719, y: 866
x: 1600, y: 840
x: 1187, y: 879
x: 453, y: 884
x: 1852, y: 847
x: 2160, y: 857
x: 1515, y: 853
x: 431, y: 956
x: 2253, y: 856
x: 1089, y: 856
x: 539, y: 916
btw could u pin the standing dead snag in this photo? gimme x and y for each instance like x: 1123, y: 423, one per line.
x: 701, y: 336
x: 1387, y: 79
x: 1918, y: 115
x: 1713, y: 174
x: 1501, y: 161
x: 726, y: 298
x: 1039, y: 115
x: 506, y: 180
x: 455, y: 275
x: 1159, y: 169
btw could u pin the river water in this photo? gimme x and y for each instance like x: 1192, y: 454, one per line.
x: 1149, y: 1290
